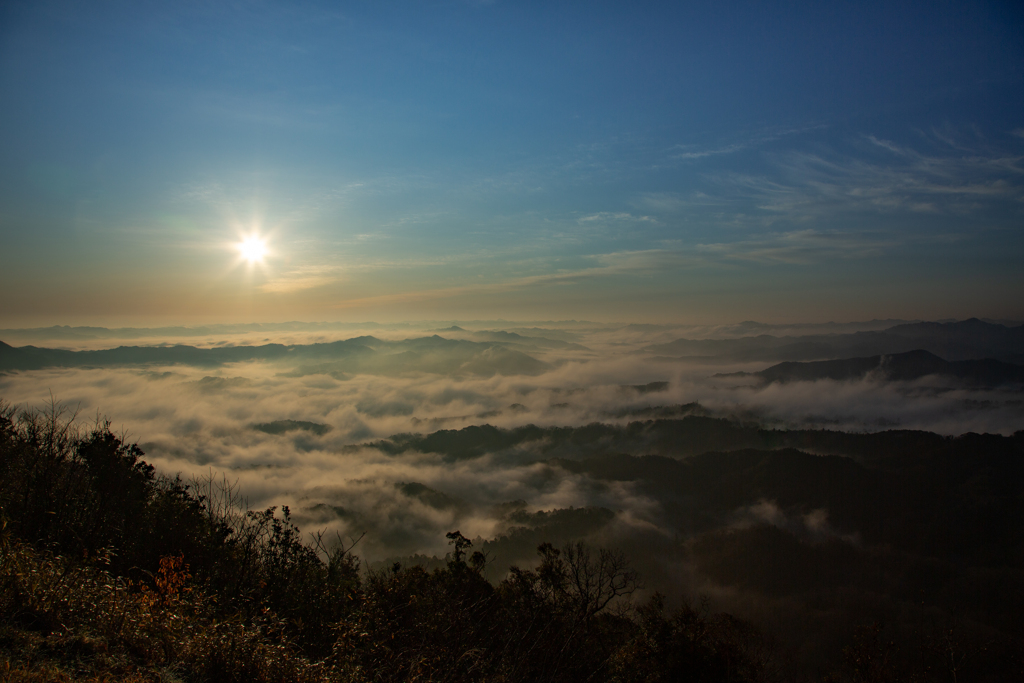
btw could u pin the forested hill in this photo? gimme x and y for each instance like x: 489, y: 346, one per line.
x: 937, y: 496
x: 696, y: 434
x: 898, y: 367
x: 964, y: 340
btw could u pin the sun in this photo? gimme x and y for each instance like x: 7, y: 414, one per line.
x: 253, y: 249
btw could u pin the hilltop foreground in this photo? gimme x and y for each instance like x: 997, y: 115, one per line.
x: 111, y: 572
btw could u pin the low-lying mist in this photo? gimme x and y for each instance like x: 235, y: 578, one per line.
x: 301, y: 431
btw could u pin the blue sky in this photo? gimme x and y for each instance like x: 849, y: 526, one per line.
x: 679, y: 161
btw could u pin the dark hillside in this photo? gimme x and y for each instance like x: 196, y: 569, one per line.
x: 966, y: 340
x: 359, y: 354
x: 897, y: 367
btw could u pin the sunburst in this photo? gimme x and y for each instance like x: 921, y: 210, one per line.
x: 253, y: 249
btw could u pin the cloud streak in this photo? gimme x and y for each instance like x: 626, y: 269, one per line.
x: 801, y: 247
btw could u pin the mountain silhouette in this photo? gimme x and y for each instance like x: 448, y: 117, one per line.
x: 360, y: 354
x: 971, y: 339
x: 900, y: 366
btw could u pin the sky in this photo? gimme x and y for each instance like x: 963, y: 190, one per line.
x: 698, y: 162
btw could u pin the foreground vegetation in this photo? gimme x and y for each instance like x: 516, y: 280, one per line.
x: 111, y: 572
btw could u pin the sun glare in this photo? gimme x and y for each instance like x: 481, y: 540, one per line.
x: 252, y: 249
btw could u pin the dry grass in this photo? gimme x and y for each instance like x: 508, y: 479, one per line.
x: 68, y: 621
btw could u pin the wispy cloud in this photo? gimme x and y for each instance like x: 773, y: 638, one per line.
x: 608, y: 265
x: 311, y: 276
x: 302, y: 278
x: 813, y: 185
x: 688, y: 152
x: 616, y: 217
x: 800, y: 247
x: 885, y: 144
x: 752, y: 140
x: 947, y: 172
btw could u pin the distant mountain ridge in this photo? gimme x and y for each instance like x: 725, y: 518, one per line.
x: 971, y: 339
x: 360, y: 354
x: 901, y: 366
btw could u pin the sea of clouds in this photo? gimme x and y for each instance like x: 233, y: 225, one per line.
x: 202, y: 422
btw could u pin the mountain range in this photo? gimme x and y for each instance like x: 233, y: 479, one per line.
x: 359, y: 354
x: 965, y: 340
x: 895, y: 367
